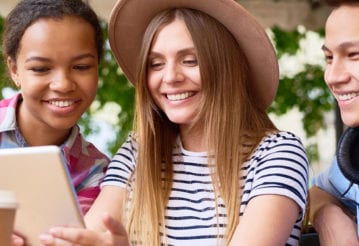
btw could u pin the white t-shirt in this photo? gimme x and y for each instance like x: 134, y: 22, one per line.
x: 278, y: 166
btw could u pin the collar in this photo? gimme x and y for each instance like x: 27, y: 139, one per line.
x: 8, y: 113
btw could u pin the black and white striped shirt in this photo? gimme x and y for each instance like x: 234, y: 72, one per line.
x: 278, y: 166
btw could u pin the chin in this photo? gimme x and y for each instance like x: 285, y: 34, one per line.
x: 351, y: 122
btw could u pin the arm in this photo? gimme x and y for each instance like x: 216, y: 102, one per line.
x: 333, y: 222
x: 110, y: 200
x: 276, y: 192
x: 268, y: 220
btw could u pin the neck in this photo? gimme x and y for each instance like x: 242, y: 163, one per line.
x: 193, y: 138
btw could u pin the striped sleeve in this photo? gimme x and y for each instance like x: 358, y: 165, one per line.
x: 281, y: 168
x: 122, y: 165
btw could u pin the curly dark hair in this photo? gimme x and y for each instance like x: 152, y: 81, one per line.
x: 27, y: 12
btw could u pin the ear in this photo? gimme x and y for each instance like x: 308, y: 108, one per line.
x: 12, y: 67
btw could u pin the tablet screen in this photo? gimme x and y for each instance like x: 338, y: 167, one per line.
x: 43, y: 189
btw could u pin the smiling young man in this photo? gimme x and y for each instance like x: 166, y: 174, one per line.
x: 333, y: 200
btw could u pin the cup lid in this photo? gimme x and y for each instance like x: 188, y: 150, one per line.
x: 7, y: 199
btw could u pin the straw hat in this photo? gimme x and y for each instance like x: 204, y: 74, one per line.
x: 129, y: 20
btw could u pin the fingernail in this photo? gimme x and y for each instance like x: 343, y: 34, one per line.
x: 46, y: 238
x: 55, y: 231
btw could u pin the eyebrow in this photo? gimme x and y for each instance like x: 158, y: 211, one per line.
x: 43, y: 59
x: 343, y: 45
x: 182, y: 51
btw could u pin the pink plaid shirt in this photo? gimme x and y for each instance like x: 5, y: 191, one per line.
x: 85, y: 162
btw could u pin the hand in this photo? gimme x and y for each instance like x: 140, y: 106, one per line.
x: 65, y: 236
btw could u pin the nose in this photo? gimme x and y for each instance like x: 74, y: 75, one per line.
x: 336, y: 72
x: 62, y: 82
x: 172, y: 73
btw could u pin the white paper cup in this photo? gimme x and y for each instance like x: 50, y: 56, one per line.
x: 8, y: 206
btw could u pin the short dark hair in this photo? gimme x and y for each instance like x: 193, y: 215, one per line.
x: 337, y: 3
x: 27, y: 12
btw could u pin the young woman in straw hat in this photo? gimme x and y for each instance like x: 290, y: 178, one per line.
x: 205, y: 165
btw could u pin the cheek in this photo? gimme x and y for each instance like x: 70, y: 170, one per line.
x: 195, y: 77
x: 31, y: 84
x: 355, y: 70
x: 153, y: 83
x: 88, y: 84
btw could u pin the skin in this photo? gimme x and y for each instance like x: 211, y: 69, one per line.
x: 333, y: 222
x: 173, y: 70
x: 341, y: 49
x: 58, y: 82
x: 174, y: 80
x: 57, y: 70
x: 331, y: 219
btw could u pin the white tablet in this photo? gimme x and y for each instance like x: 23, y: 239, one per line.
x: 43, y: 189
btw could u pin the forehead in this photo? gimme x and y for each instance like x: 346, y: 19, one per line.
x: 172, y: 34
x: 66, y: 30
x: 343, y: 23
x: 55, y: 38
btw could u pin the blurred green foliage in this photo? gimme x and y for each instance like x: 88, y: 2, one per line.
x: 3, y: 71
x: 306, y: 91
x: 114, y: 87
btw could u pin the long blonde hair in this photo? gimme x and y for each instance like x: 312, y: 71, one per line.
x: 234, y: 125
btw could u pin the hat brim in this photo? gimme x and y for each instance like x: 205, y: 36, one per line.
x: 129, y: 20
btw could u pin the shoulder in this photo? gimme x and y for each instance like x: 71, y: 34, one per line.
x: 284, y: 142
x: 280, y: 166
x: 90, y: 150
x: 281, y: 150
x: 128, y: 149
x: 10, y: 102
x: 333, y: 181
x: 122, y: 164
x: 281, y: 137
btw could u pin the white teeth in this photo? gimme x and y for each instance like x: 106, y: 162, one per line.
x: 345, y: 97
x: 62, y: 104
x: 181, y: 96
